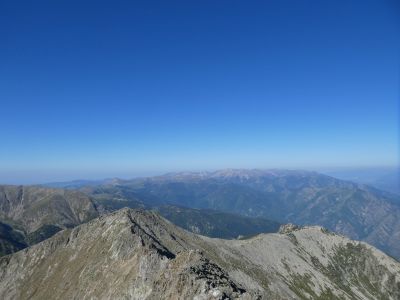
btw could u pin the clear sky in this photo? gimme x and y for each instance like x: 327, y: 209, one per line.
x: 92, y: 89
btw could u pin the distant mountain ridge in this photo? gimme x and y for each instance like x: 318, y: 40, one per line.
x: 309, y: 198
x: 383, y: 178
x: 74, y: 184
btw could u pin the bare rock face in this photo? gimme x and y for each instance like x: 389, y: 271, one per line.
x: 136, y: 254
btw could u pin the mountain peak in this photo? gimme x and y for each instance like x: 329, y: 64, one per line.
x: 130, y: 253
x: 133, y: 253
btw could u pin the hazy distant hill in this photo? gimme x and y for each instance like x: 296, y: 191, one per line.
x: 301, y: 197
x: 386, y: 179
x: 74, y: 184
x: 133, y: 254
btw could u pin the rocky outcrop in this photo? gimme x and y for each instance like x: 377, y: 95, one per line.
x: 288, y: 228
x: 137, y: 254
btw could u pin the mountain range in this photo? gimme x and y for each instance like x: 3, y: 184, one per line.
x: 358, y: 211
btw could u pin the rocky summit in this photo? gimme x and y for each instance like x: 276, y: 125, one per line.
x: 137, y: 254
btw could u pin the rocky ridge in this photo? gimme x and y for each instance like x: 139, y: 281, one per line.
x: 138, y: 254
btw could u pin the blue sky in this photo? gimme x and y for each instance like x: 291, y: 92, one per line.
x: 124, y: 88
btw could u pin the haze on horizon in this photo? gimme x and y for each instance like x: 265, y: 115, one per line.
x: 124, y: 89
